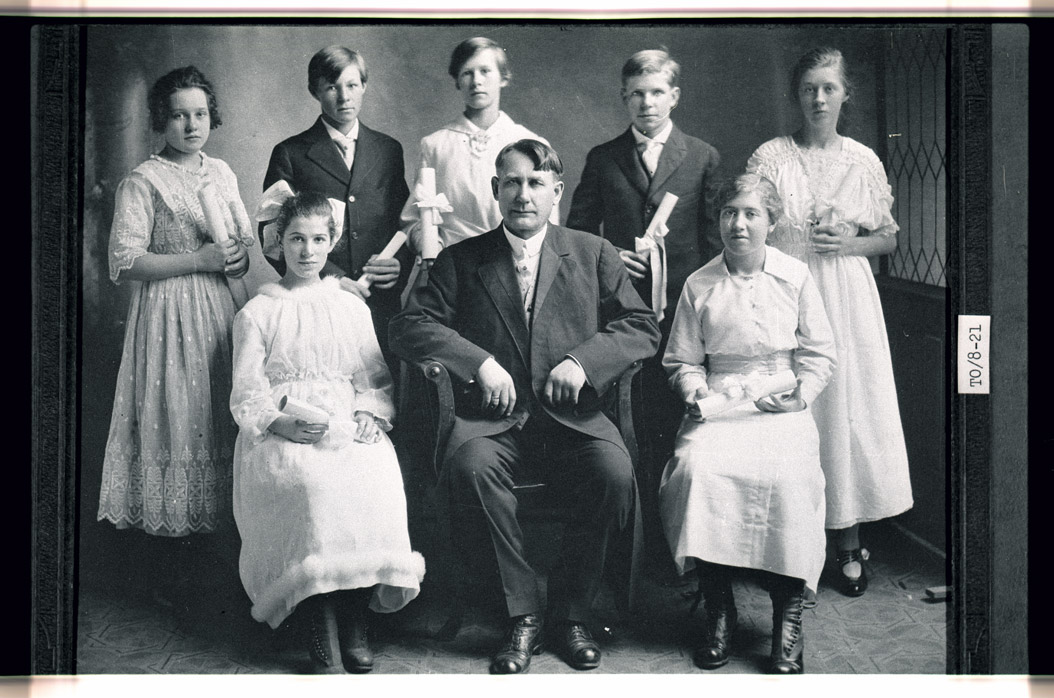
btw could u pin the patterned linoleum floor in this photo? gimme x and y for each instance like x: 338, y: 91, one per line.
x: 893, y: 628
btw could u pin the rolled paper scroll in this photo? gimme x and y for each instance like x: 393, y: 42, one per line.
x: 302, y: 410
x: 397, y: 241
x: 210, y: 205
x: 749, y: 389
x: 653, y: 243
x: 430, y: 218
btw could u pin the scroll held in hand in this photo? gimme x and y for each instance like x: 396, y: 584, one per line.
x: 431, y: 205
x: 303, y: 411
x: 653, y: 245
x: 750, y: 388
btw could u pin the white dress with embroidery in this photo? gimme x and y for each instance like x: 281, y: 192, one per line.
x: 744, y: 488
x: 167, y: 466
x: 315, y: 518
x: 861, y: 438
x: 462, y: 154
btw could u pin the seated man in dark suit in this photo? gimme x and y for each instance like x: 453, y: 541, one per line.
x: 544, y: 319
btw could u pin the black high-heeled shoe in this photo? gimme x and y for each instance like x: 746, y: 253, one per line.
x: 788, y: 636
x: 852, y: 586
x: 721, y: 617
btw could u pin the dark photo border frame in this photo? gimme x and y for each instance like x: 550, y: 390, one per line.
x: 986, y: 630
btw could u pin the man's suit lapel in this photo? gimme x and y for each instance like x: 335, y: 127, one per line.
x: 669, y: 160
x: 498, y: 276
x: 628, y: 160
x: 549, y: 266
x: 324, y: 153
x: 365, y: 157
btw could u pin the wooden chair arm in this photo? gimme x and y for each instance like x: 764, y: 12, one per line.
x: 440, y: 408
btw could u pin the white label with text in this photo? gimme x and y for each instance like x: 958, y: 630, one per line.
x: 973, y: 353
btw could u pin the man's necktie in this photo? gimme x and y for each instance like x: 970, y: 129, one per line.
x: 523, y: 276
x: 347, y: 150
x: 649, y: 155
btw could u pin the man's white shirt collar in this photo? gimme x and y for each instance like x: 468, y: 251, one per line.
x: 529, y: 247
x: 659, y: 137
x: 336, y: 135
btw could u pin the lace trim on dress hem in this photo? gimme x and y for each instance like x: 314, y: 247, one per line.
x: 122, y: 522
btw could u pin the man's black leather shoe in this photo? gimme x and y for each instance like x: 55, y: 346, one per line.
x: 578, y: 647
x: 522, y: 641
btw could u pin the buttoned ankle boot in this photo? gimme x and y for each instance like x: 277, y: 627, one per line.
x: 721, y: 616
x: 324, y: 643
x: 788, y: 637
x: 354, y: 645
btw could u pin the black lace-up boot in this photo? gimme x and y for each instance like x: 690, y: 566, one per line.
x: 788, y: 638
x: 324, y: 643
x: 721, y: 617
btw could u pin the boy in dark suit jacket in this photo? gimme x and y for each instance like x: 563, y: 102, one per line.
x: 622, y: 185
x: 342, y: 159
x: 544, y: 319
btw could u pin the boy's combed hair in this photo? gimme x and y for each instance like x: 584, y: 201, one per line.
x: 305, y: 204
x: 825, y: 57
x: 544, y: 157
x: 652, y: 61
x: 469, y: 48
x: 745, y: 183
x: 180, y: 79
x: 330, y: 62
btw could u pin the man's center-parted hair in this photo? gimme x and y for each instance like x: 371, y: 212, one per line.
x: 305, y: 204
x: 543, y: 156
x: 652, y: 61
x: 330, y: 62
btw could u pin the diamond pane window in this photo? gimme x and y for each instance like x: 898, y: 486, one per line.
x: 915, y: 96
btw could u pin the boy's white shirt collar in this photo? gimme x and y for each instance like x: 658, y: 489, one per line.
x: 336, y: 135
x: 659, y: 137
x: 529, y: 247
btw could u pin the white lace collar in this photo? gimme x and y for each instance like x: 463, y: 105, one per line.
x: 463, y: 125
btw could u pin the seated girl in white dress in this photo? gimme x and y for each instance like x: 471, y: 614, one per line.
x: 744, y: 487
x: 318, y: 498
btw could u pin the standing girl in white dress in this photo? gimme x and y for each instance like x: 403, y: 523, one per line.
x: 837, y: 202
x: 744, y: 488
x: 167, y: 468
x: 462, y: 153
x: 319, y: 500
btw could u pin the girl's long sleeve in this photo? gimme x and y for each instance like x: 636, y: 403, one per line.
x: 686, y: 348
x: 252, y: 405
